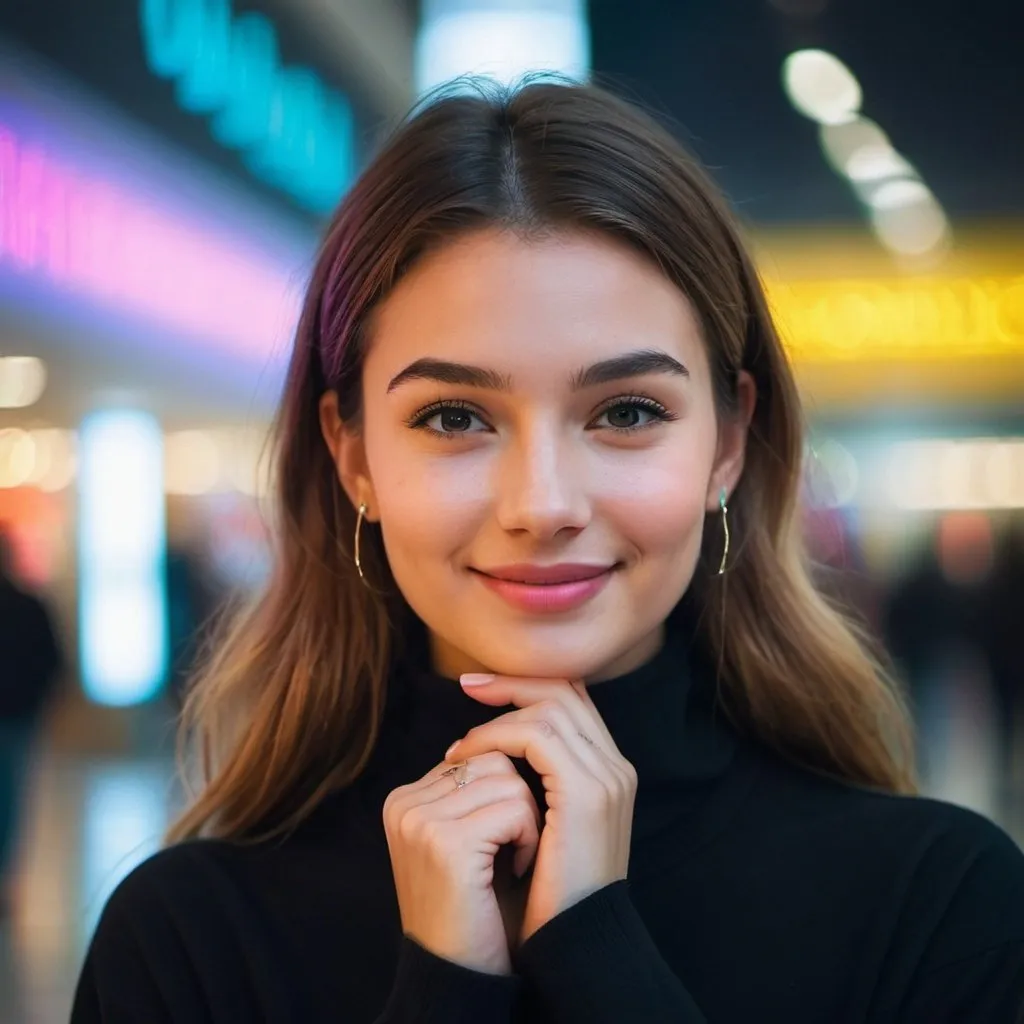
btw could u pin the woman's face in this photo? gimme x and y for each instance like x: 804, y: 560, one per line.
x: 540, y: 446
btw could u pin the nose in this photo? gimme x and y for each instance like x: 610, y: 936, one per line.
x: 540, y: 487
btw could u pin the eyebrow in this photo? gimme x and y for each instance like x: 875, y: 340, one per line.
x: 633, y: 364
x: 452, y: 373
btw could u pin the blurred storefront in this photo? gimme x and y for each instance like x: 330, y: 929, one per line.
x: 158, y: 214
x: 158, y: 217
x: 913, y: 378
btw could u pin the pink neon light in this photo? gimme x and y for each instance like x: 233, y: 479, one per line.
x: 92, y: 238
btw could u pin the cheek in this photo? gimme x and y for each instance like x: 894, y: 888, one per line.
x: 429, y: 505
x: 658, y: 501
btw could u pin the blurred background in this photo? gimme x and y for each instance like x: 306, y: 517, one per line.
x: 165, y: 166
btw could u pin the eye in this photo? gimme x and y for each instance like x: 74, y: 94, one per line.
x: 628, y: 414
x: 448, y: 419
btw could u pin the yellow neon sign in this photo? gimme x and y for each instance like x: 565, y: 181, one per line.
x: 899, y: 320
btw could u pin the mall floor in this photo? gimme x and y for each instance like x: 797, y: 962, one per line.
x: 91, y: 820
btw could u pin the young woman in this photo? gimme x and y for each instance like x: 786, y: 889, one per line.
x: 540, y: 718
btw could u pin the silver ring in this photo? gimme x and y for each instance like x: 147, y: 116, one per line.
x: 459, y: 773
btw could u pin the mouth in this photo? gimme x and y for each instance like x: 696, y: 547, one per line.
x: 547, y: 589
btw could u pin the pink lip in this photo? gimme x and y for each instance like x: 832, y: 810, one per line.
x: 546, y: 588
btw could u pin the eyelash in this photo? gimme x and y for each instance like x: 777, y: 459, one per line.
x: 420, y: 419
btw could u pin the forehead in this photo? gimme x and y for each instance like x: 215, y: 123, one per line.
x: 526, y: 305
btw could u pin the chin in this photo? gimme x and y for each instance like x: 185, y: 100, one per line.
x: 548, y: 663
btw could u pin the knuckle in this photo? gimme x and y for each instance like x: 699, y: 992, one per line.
x: 412, y: 824
x: 552, y: 711
x: 595, y: 797
x: 522, y: 790
x: 543, y: 727
x: 496, y: 762
x: 392, y: 805
x: 628, y: 773
x: 524, y: 815
x: 515, y: 790
x: 432, y: 834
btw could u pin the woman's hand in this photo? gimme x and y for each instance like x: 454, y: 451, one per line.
x: 590, y: 787
x: 443, y: 834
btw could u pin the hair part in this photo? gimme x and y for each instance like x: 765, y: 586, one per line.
x: 290, y: 706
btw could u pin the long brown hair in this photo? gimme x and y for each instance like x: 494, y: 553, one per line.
x: 290, y: 705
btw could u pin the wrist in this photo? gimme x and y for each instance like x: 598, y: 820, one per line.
x: 483, y: 961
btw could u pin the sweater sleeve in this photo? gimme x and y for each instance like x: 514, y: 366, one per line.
x: 597, y: 963
x: 431, y: 990
x: 116, y: 985
x: 152, y: 960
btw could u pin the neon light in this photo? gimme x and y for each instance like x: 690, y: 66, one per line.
x: 295, y: 133
x: 122, y: 604
x: 503, y: 39
x: 123, y: 251
x: 924, y: 319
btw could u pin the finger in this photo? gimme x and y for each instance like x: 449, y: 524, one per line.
x: 510, y: 821
x: 534, y: 739
x: 435, y: 784
x: 523, y: 693
x: 582, y: 691
x: 551, y: 714
x: 492, y: 762
x: 474, y: 796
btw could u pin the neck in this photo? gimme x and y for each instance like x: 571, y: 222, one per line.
x: 450, y: 662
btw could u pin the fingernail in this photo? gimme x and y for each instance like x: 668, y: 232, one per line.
x: 450, y: 750
x: 475, y: 679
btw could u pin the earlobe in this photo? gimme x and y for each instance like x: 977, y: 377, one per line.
x: 348, y: 453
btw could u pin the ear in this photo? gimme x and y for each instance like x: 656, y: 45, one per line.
x: 732, y: 443
x: 348, y: 453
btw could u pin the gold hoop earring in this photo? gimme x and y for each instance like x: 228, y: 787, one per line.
x: 725, y: 527
x: 355, y: 546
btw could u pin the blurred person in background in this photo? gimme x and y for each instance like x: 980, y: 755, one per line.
x: 1006, y: 656
x: 540, y: 717
x: 939, y: 625
x: 841, y: 570
x: 30, y: 666
x: 193, y: 600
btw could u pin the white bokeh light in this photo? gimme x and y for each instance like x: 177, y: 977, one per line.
x: 821, y: 86
x: 121, y: 547
x: 22, y: 381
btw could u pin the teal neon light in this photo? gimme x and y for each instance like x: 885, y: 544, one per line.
x: 294, y: 132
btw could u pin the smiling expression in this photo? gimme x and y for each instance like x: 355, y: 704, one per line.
x: 540, y: 445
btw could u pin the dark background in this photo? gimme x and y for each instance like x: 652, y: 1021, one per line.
x: 944, y: 78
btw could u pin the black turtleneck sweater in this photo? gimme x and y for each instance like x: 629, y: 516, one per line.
x: 756, y: 892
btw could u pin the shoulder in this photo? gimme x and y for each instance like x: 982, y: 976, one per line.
x: 947, y: 870
x: 143, y: 946
x: 966, y: 880
x: 181, y: 928
x: 916, y: 826
x: 173, y: 892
